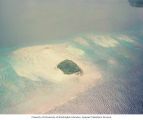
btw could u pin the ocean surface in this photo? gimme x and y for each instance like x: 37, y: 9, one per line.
x: 119, y: 91
x: 110, y: 34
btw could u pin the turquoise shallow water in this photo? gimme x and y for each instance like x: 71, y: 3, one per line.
x: 119, y: 91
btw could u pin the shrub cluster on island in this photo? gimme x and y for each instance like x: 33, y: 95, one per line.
x: 69, y: 67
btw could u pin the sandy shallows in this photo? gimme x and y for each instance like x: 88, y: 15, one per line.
x: 38, y: 63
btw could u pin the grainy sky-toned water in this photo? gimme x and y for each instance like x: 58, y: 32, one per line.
x: 41, y: 21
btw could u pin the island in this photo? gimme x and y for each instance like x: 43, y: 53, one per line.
x: 69, y: 67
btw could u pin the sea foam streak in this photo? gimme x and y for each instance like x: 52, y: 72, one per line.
x: 38, y: 63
